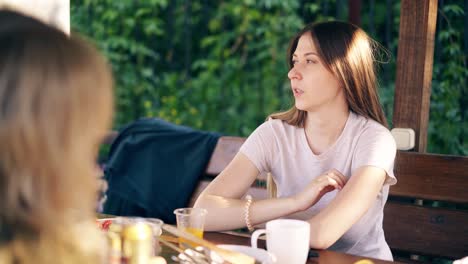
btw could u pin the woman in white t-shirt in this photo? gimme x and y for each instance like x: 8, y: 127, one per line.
x: 331, y: 155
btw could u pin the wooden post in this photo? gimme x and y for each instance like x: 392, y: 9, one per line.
x: 354, y: 10
x: 414, y: 67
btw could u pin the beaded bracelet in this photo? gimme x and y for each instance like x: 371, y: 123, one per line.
x: 248, y: 203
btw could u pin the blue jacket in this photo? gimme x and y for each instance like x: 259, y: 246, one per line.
x: 154, y: 167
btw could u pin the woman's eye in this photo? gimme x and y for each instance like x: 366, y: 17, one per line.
x: 311, y: 61
x: 294, y: 62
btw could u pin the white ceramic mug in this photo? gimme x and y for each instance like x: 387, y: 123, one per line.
x: 286, y: 239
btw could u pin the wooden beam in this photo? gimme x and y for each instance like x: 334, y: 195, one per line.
x: 414, y: 67
x: 431, y: 177
x: 427, y: 231
x: 224, y: 152
x: 354, y: 10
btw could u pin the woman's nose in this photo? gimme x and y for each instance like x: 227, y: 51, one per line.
x: 294, y: 74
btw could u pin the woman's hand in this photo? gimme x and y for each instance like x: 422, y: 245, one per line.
x: 313, y: 192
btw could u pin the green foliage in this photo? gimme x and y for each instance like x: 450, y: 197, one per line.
x: 221, y: 65
x: 126, y: 31
x: 243, y: 74
x: 216, y: 66
x: 448, y: 126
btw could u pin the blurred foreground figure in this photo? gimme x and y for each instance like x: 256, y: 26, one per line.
x: 55, y: 107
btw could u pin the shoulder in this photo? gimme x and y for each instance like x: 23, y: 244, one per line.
x: 276, y: 123
x: 375, y: 146
x: 274, y: 133
x: 368, y: 131
x: 278, y: 126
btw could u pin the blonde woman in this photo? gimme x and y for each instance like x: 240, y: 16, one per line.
x: 331, y: 155
x: 56, y: 103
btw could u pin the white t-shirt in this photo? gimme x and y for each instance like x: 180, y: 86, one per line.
x: 282, y: 149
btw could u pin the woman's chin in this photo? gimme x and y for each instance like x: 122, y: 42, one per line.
x: 300, y: 106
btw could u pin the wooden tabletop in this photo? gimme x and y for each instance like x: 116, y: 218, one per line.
x: 324, y: 256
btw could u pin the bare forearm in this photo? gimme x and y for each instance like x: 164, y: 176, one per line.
x: 347, y: 208
x: 228, y: 214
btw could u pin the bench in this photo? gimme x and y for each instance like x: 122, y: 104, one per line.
x: 224, y: 152
x: 426, y: 215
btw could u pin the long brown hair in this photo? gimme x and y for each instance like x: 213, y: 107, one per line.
x: 56, y: 103
x: 347, y: 52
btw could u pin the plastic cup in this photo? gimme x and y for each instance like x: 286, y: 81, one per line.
x: 190, y: 220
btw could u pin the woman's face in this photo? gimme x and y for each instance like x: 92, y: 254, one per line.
x: 313, y: 86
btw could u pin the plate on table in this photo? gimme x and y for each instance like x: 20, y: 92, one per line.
x: 258, y: 254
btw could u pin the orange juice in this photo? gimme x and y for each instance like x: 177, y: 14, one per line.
x: 190, y: 220
x: 198, y: 232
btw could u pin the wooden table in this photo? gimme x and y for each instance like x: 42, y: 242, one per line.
x: 324, y: 256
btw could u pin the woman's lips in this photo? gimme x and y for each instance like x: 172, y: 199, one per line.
x: 297, y: 92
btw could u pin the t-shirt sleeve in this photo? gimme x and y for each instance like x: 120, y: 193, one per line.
x: 376, y: 147
x: 259, y: 147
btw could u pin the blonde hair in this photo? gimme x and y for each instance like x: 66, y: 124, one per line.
x: 347, y: 52
x: 56, y: 104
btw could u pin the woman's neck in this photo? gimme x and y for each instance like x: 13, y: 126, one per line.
x: 322, y: 129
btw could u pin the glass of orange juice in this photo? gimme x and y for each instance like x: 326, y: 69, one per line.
x: 190, y: 220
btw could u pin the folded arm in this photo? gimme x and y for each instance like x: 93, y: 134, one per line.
x: 350, y: 204
x: 223, y: 198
